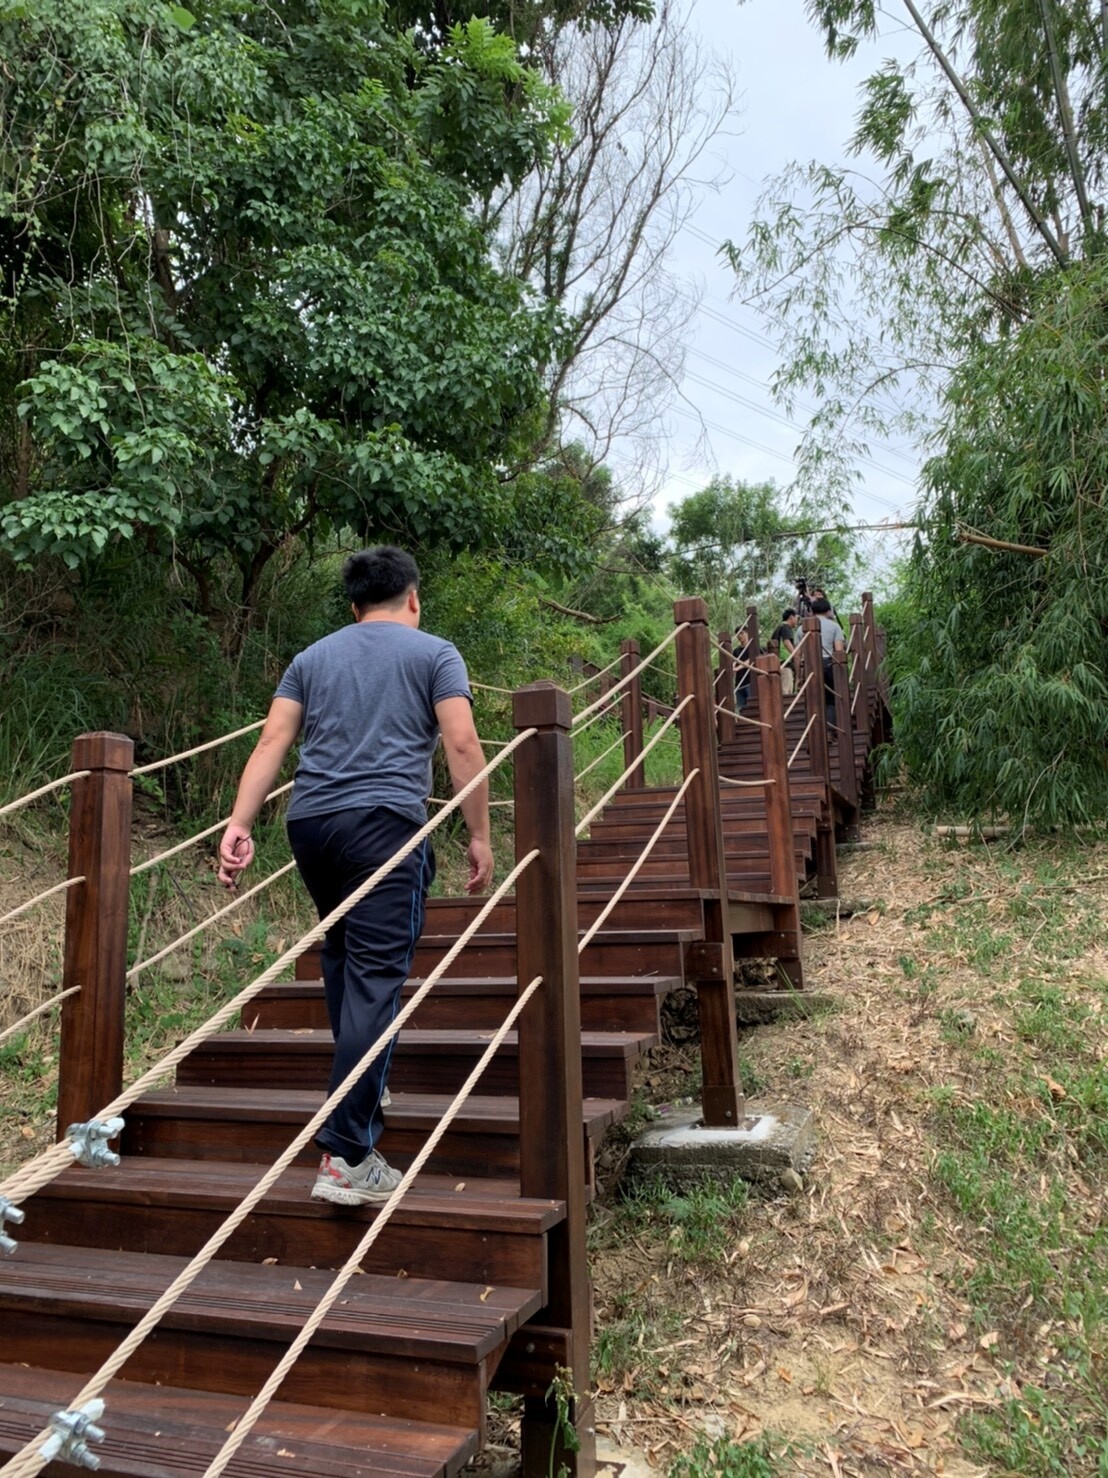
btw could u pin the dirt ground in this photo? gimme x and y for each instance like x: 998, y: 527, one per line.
x: 835, y: 1321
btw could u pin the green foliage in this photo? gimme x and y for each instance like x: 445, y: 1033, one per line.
x: 970, y: 277
x: 734, y: 543
x: 245, y: 296
x: 1002, y: 699
x: 723, y: 1458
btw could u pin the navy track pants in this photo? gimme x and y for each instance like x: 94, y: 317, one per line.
x: 366, y: 957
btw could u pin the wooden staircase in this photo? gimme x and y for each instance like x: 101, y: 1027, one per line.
x: 468, y: 1287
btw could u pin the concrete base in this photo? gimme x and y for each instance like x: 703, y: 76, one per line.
x: 758, y: 1007
x: 772, y: 1147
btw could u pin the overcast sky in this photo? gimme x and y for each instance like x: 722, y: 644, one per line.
x: 794, y: 104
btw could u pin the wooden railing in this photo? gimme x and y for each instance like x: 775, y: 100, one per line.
x: 550, y: 1096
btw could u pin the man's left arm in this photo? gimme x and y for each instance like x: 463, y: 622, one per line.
x: 282, y: 725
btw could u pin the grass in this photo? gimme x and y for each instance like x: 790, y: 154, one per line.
x: 1022, y: 1155
x: 726, y: 1459
x: 697, y: 1228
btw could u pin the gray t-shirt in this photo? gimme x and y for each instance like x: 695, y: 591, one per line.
x: 829, y: 633
x: 369, y: 728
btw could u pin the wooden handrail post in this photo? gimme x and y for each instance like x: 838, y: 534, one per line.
x: 877, y: 719
x: 844, y: 732
x: 860, y: 711
x: 783, y: 879
x: 631, y: 712
x: 815, y: 710
x: 709, y: 963
x: 90, y: 1059
x: 551, y: 1143
x: 754, y: 650
x: 857, y: 650
x: 725, y: 689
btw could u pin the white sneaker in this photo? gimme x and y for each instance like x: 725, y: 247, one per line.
x: 369, y: 1183
x: 386, y: 1099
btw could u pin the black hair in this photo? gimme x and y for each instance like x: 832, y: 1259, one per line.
x: 380, y: 576
x: 786, y: 614
x: 821, y: 606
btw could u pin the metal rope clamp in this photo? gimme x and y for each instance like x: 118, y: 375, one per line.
x: 71, y: 1432
x: 89, y: 1142
x: 9, y: 1212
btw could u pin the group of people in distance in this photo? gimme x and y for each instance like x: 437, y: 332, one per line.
x: 785, y: 640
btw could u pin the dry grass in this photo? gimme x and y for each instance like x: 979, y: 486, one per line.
x: 845, y: 1320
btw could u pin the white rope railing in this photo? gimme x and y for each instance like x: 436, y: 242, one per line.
x: 606, y: 911
x: 198, y: 836
x: 799, y: 694
x: 752, y: 784
x: 741, y: 717
x: 207, y: 923
x: 602, y: 756
x: 33, y: 795
x: 796, y: 648
x: 187, y: 754
x: 43, y: 1168
x: 631, y: 768
x: 434, y: 800
x: 17, y: 1027
x: 594, y: 676
x: 350, y: 1267
x: 196, y: 1264
x: 13, y: 913
x: 854, y: 700
x: 800, y: 742
x: 489, y: 688
x: 601, y: 713
x: 627, y: 677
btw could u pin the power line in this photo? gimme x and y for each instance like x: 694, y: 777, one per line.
x: 792, y: 425
x: 770, y: 451
x: 810, y: 410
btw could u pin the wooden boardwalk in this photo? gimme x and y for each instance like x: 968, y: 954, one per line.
x: 479, y: 1282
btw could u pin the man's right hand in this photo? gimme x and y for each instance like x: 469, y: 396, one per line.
x: 480, y: 866
x: 236, y: 853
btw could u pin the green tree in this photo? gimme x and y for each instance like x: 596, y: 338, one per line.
x: 244, y: 293
x: 1002, y: 691
x: 958, y: 296
x: 734, y: 543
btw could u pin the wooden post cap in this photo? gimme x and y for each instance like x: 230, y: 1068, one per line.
x: 103, y: 751
x: 541, y: 705
x: 692, y: 609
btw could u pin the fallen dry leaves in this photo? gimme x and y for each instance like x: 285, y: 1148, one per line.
x: 839, y: 1328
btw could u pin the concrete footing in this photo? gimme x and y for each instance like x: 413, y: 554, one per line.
x: 772, y: 1147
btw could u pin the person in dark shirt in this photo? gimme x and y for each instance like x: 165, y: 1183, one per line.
x: 784, y: 639
x: 742, y: 673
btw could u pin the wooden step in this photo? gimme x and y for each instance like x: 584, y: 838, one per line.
x: 657, y: 908
x: 167, y: 1432
x: 436, y: 1060
x: 415, y: 1348
x: 255, y: 1125
x: 608, y: 1003
x: 611, y: 952
x: 482, y: 1230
